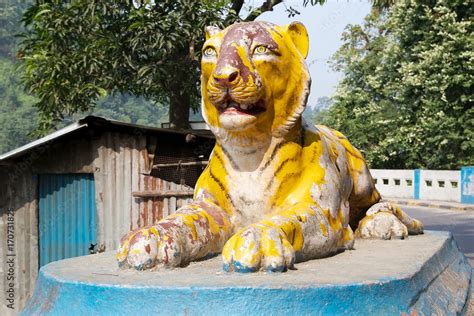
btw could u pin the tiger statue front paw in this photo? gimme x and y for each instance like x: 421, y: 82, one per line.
x: 147, y: 247
x: 383, y: 225
x: 387, y: 221
x: 258, y: 247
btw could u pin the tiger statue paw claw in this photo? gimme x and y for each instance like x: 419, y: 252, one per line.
x: 383, y: 225
x: 258, y: 247
x: 138, y: 249
x: 148, y: 247
x: 385, y: 220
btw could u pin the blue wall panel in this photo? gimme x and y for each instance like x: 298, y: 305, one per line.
x: 467, y: 185
x: 416, y: 184
x: 67, y: 216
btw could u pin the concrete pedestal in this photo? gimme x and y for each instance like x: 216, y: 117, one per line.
x: 425, y: 273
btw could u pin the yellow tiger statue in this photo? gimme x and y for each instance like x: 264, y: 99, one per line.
x: 276, y: 190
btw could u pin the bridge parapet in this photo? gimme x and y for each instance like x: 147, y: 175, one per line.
x: 440, y: 185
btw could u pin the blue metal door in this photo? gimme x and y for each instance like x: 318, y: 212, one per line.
x: 67, y: 216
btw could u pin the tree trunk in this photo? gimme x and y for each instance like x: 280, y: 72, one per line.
x: 180, y: 103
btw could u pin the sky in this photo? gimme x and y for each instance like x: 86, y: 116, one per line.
x: 325, y: 25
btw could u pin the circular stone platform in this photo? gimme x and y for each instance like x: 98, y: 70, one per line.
x: 425, y: 273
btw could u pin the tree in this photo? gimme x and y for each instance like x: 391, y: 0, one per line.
x: 406, y: 96
x: 318, y: 113
x: 18, y: 117
x: 10, y: 24
x: 78, y: 51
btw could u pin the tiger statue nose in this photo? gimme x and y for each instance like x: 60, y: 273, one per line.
x: 226, y: 76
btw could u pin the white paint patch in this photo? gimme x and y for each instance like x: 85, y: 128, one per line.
x: 316, y: 244
x: 249, y: 194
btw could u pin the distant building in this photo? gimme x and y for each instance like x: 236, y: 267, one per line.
x: 79, y: 189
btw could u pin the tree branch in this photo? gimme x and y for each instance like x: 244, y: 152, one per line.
x: 366, y: 38
x: 237, y: 6
x: 266, y: 6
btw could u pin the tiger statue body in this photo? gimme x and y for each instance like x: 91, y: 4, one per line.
x: 276, y: 190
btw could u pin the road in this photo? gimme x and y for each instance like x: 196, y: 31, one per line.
x: 459, y: 223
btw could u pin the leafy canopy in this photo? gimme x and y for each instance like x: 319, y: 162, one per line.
x: 78, y: 51
x: 19, y: 117
x: 406, y: 96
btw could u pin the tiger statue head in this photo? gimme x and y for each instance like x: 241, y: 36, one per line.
x: 255, y: 81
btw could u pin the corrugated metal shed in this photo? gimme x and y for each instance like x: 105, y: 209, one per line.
x: 121, y: 168
x: 19, y: 195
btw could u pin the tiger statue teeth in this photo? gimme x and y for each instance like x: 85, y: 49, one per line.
x: 276, y: 190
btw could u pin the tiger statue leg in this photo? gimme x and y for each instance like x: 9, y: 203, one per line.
x: 369, y: 216
x: 193, y: 232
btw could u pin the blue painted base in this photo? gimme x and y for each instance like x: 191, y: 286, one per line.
x: 425, y: 273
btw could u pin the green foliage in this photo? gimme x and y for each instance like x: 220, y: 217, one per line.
x: 78, y: 51
x: 406, y: 97
x: 18, y: 117
x: 10, y: 25
x: 125, y: 108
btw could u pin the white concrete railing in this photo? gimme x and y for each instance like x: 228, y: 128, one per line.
x: 442, y: 185
x: 394, y: 183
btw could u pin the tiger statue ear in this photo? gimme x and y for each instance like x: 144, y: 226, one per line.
x: 299, y: 35
x: 211, y: 31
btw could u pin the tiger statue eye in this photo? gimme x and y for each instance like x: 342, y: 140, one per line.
x: 209, y: 51
x: 260, y: 50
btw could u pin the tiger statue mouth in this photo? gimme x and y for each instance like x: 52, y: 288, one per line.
x: 230, y: 107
